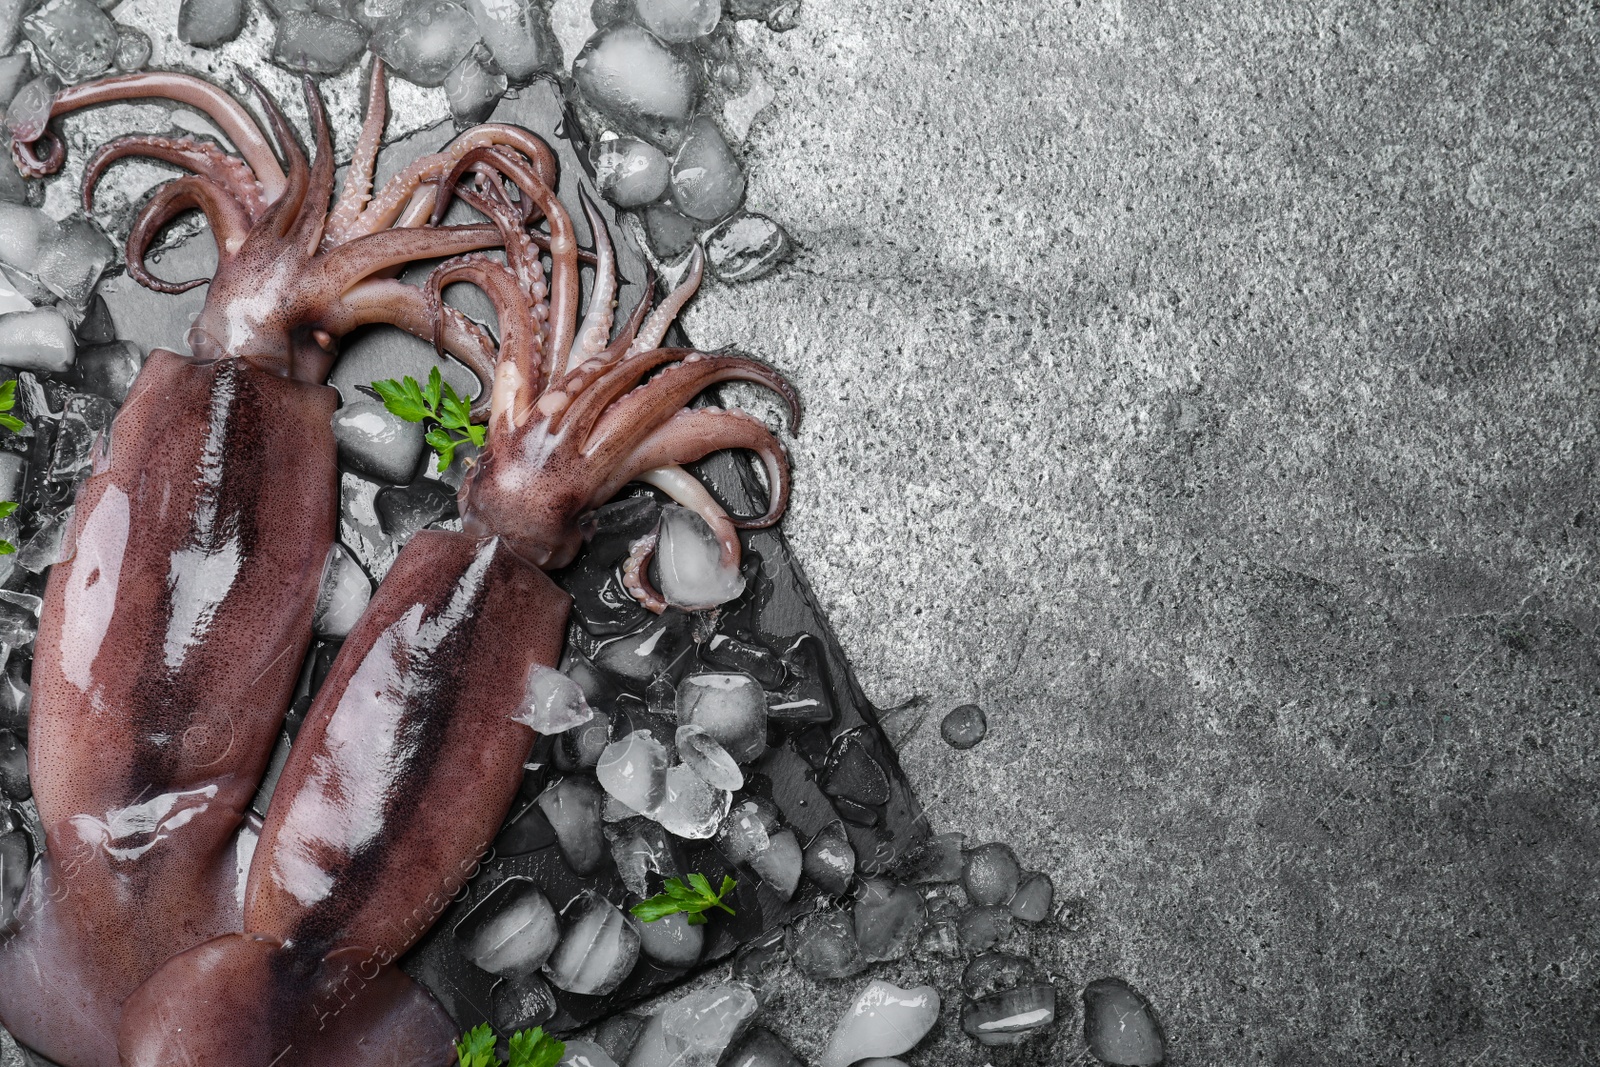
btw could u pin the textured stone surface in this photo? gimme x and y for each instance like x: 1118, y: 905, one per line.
x: 1208, y: 392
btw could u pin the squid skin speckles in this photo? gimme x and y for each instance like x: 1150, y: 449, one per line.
x: 171, y: 639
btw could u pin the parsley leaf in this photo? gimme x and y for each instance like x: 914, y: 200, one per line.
x: 8, y: 400
x: 693, y: 899
x: 529, y: 1048
x: 535, y: 1048
x: 476, y: 1048
x: 6, y: 508
x: 436, y: 402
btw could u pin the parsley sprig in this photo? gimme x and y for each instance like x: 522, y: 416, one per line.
x: 6, y: 508
x: 694, y: 899
x: 529, y: 1048
x: 8, y: 400
x: 436, y: 402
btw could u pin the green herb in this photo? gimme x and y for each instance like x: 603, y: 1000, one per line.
x: 437, y: 402
x: 6, y: 508
x: 694, y: 899
x: 535, y: 1048
x: 529, y: 1048
x: 8, y: 400
x: 476, y: 1048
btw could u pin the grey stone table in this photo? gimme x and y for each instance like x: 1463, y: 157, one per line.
x: 1209, y: 391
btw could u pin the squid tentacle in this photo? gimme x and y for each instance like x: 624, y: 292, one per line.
x: 404, y: 306
x: 280, y: 217
x: 655, y: 327
x: 202, y: 157
x: 308, y: 227
x: 231, y: 117
x: 357, y: 190
x: 563, y: 299
x: 648, y: 404
x: 519, y: 330
x: 367, y: 255
x: 398, y: 203
x: 229, y: 223
x: 595, y: 331
x: 694, y: 434
x: 686, y: 489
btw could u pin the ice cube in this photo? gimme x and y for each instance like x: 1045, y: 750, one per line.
x: 629, y: 172
x: 208, y: 23
x: 632, y: 660
x: 133, y: 49
x: 473, y: 87
x: 693, y: 573
x: 1012, y: 1016
x: 829, y: 859
x: 679, y: 21
x: 633, y: 769
x: 84, y: 420
x: 425, y: 40
x: 780, y: 863
x: 402, y: 510
x: 511, y: 931
x: 346, y: 589
x: 74, y: 36
x: 745, y: 833
x: 14, y: 781
x: 689, y: 807
x: 10, y: 299
x: 668, y: 233
x: 699, y: 1028
x: 1032, y: 900
x: 672, y: 941
x: 617, y: 1034
x: 852, y: 771
x: 107, y: 370
x: 964, y: 727
x: 703, y: 755
x: 521, y: 1001
x: 573, y: 807
x: 1119, y: 1025
x: 39, y: 340
x: 996, y: 972
x: 14, y: 859
x: 762, y: 1048
x: 746, y: 246
x: 823, y: 945
x: 96, y: 327
x: 18, y: 625
x: 13, y: 186
x: 707, y: 182
x: 29, y: 113
x: 528, y: 832
x: 519, y: 36
x: 889, y: 919
x: 598, y: 950
x: 732, y: 708
x: 377, y: 444
x: 779, y: 15
x: 312, y: 43
x: 884, y: 1020
x: 553, y: 703
x: 981, y: 929
x: 992, y: 874
x: 14, y: 70
x: 581, y: 1053
x: 939, y: 859
x: 743, y: 653
x: 48, y: 545
x: 580, y: 747
x: 647, y: 86
x: 77, y: 254
x: 650, y: 1050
